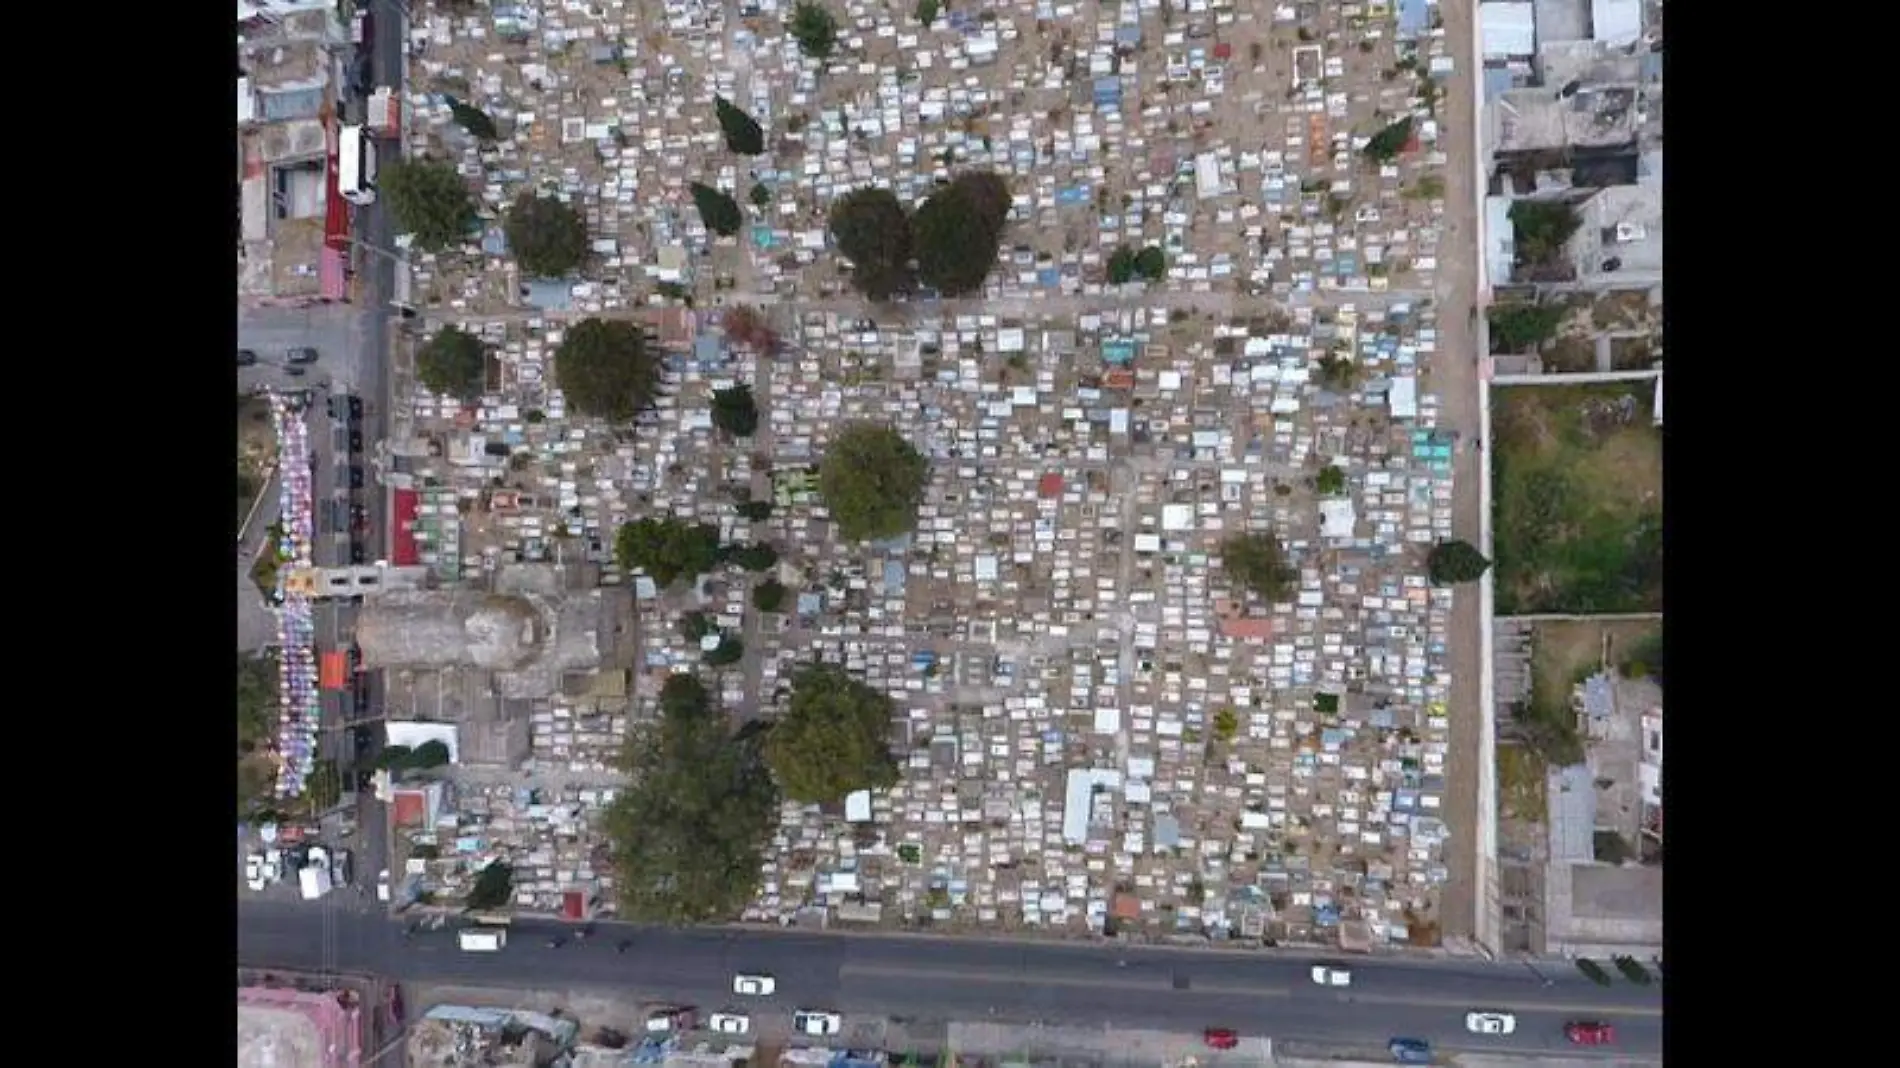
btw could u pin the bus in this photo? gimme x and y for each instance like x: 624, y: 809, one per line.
x: 356, y: 165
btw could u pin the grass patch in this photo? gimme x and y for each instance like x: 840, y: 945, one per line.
x: 1578, y: 471
x: 1566, y: 652
x: 1521, y: 783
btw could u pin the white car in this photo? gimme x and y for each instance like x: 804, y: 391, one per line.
x: 1332, y: 975
x: 382, y: 885
x: 758, y: 986
x: 254, y: 872
x: 730, y: 1023
x: 1490, y: 1023
x: 807, y: 1022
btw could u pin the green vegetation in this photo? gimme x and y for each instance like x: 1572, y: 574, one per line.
x: 729, y: 651
x: 927, y: 11
x: 428, y: 200
x: 1548, y: 725
x: 871, y: 229
x: 1452, y: 562
x: 1632, y: 970
x: 1521, y: 783
x: 494, y: 887
x: 667, y: 549
x: 323, y: 787
x: 743, y: 135
x: 606, y: 370
x: 717, y: 210
x: 453, y: 363
x: 834, y: 737
x: 735, y: 412
x: 872, y: 480
x: 1385, y: 146
x: 1337, y: 372
x: 696, y: 625
x: 1643, y: 659
x: 1578, y: 472
x: 760, y: 196
x: 1226, y: 724
x: 1428, y: 187
x: 755, y: 557
x: 472, y: 119
x: 769, y: 596
x: 256, y: 723
x: 548, y: 238
x: 1331, y: 480
x: 430, y: 754
x: 958, y: 231
x: 1541, y: 228
x: 1326, y: 704
x: 756, y: 511
x: 1258, y: 564
x: 1125, y: 264
x: 814, y: 28
x: 1594, y: 971
x: 1520, y: 325
x: 1610, y: 847
x: 689, y: 833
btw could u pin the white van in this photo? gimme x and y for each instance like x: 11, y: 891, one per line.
x: 482, y: 939
x: 356, y: 165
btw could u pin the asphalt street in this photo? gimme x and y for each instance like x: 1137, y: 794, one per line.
x: 1263, y: 994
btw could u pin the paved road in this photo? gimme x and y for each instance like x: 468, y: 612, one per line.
x: 944, y: 979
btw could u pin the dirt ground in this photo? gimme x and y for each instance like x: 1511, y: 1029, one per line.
x: 1521, y: 783
x: 1578, y: 472
x: 256, y: 449
x: 1567, y: 649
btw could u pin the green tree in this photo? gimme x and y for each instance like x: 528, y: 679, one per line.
x: 1452, y: 562
x: 1330, y: 481
x: 689, y: 831
x: 1258, y: 563
x: 1518, y: 325
x: 1541, y: 228
x: 453, y: 363
x: 872, y: 230
x: 755, y: 557
x: 1152, y: 263
x: 743, y: 134
x: 323, y: 787
x: 872, y: 480
x: 760, y: 196
x: 958, y: 231
x: 548, y: 238
x: 256, y: 701
x: 1336, y: 372
x: 430, y: 754
x: 494, y: 887
x: 696, y: 625
x: 927, y: 11
x: 717, y: 210
x: 428, y: 200
x: 728, y: 652
x: 769, y: 596
x: 1385, y: 146
x: 814, y: 28
x: 472, y: 119
x: 394, y: 757
x: 606, y: 370
x: 735, y: 412
x: 756, y: 511
x: 1121, y: 265
x: 1226, y: 724
x: 667, y: 549
x: 834, y: 737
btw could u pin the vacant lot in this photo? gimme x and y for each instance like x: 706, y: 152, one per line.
x: 1567, y: 651
x: 1578, y: 474
x: 256, y: 450
x: 1521, y: 783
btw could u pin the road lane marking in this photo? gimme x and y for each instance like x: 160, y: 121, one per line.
x: 1513, y: 1005
x: 965, y: 975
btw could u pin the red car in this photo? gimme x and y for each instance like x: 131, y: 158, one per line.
x: 1220, y: 1038
x: 1590, y: 1034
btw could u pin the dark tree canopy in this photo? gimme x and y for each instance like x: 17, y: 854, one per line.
x: 667, y: 549
x: 755, y: 557
x: 756, y: 511
x: 494, y: 887
x: 872, y: 230
x: 689, y: 832
x: 1386, y: 145
x: 1453, y: 562
x: 472, y: 119
x: 769, y: 596
x: 1258, y: 563
x: 1518, y: 325
x: 605, y: 369
x: 872, y: 481
x: 453, y: 363
x: 834, y: 737
x: 323, y: 787
x: 548, y: 238
x: 428, y: 200
x: 728, y: 652
x: 958, y: 230
x: 1330, y: 481
x: 742, y: 131
x: 735, y: 412
x: 717, y: 210
x: 814, y: 28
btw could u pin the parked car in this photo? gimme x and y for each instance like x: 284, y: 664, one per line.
x: 254, y: 872
x: 1332, y: 975
x: 1220, y: 1038
x: 1589, y: 1033
x: 730, y: 1023
x: 811, y: 1022
x: 670, y: 1018
x: 300, y: 354
x: 1410, y: 1050
x: 382, y: 885
x: 758, y: 986
x: 246, y: 358
x: 1490, y: 1023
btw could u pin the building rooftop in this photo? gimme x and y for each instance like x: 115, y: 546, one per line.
x: 1622, y: 225
x: 284, y: 1028
x: 1530, y: 120
x: 1509, y: 29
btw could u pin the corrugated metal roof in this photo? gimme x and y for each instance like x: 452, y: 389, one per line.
x: 1510, y: 29
x: 1616, y: 22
